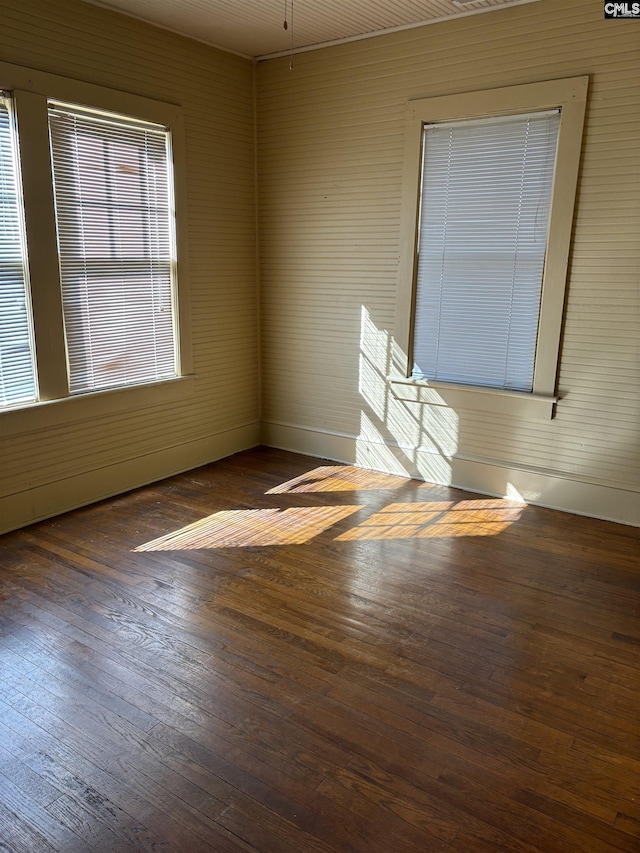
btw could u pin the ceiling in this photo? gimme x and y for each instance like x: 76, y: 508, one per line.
x: 254, y: 28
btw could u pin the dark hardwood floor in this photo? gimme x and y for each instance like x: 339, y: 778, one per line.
x: 277, y: 654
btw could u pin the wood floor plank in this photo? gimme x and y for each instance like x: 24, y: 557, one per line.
x: 376, y: 679
x: 27, y: 825
x: 19, y: 836
x: 61, y: 766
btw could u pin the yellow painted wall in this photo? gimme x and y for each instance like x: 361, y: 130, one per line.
x: 330, y: 137
x: 45, y: 469
x: 330, y: 163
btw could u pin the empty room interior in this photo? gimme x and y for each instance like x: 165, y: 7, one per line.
x: 318, y: 418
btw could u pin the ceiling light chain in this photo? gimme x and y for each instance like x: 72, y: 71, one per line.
x: 286, y: 27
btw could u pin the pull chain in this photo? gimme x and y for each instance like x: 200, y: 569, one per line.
x: 286, y: 27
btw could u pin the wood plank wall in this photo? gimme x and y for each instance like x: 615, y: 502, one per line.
x: 330, y: 162
x: 48, y: 470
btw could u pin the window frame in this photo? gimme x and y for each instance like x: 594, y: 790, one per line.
x: 569, y: 95
x: 31, y: 91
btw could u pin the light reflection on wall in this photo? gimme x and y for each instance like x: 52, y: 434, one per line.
x: 398, y: 435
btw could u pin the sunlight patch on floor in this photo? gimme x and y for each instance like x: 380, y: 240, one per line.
x: 252, y: 527
x: 435, y: 519
x: 339, y: 478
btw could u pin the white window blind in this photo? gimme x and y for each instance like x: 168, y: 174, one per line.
x: 17, y: 374
x: 485, y: 196
x: 114, y: 210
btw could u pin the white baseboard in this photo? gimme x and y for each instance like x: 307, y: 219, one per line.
x: 540, y: 488
x: 597, y: 500
x: 36, y: 504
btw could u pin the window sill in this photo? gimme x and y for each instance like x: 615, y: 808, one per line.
x: 36, y: 417
x: 473, y: 398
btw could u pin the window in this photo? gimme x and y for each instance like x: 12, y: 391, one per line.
x: 485, y: 245
x: 89, y: 242
x: 17, y: 374
x: 115, y: 238
x: 486, y: 188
